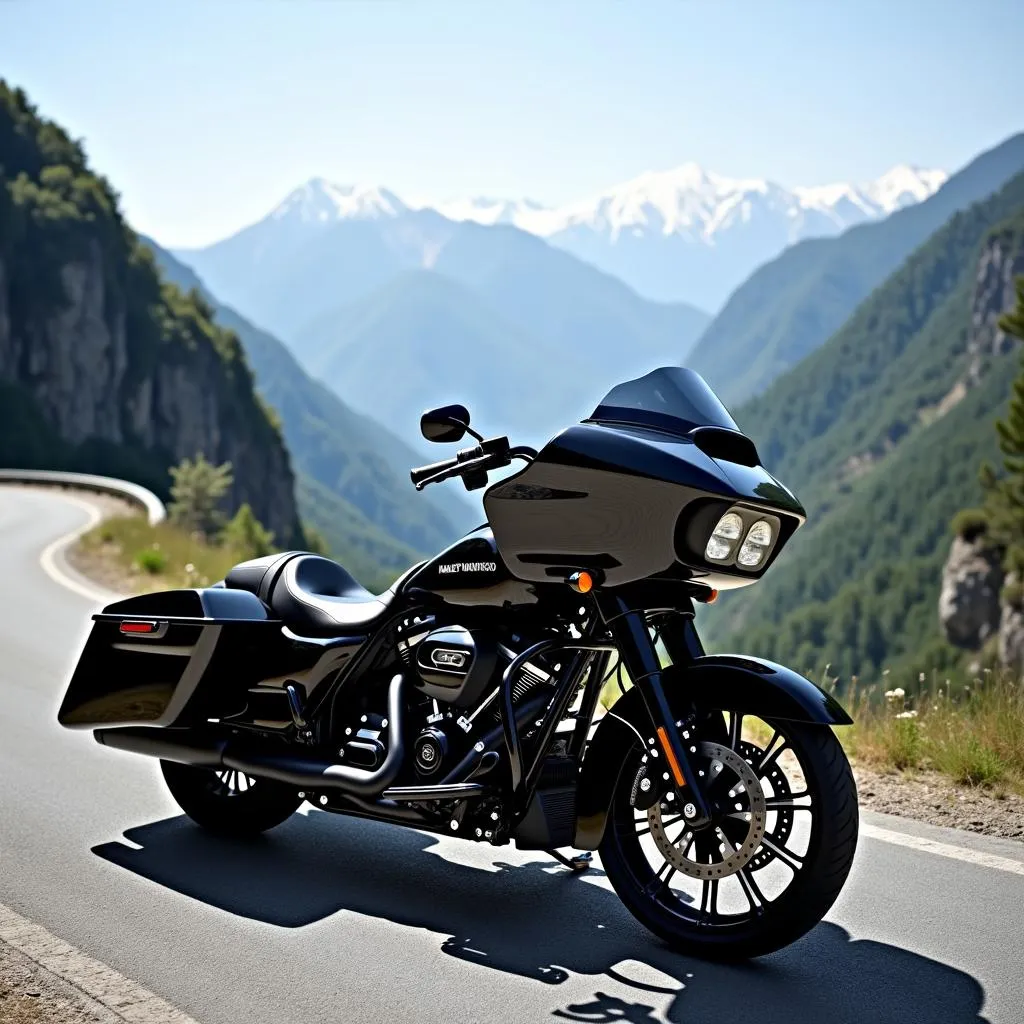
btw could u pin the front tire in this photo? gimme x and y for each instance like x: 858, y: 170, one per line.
x: 227, y: 802
x: 795, y: 826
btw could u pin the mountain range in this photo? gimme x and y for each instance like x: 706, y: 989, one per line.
x: 681, y: 235
x: 398, y: 310
x: 689, y: 234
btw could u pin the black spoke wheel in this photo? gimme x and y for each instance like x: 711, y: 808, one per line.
x: 229, y: 802
x: 767, y: 863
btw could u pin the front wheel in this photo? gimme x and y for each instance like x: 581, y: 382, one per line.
x: 228, y: 802
x: 768, y: 862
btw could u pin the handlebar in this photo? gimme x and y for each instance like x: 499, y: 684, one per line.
x: 423, y: 475
x: 493, y: 453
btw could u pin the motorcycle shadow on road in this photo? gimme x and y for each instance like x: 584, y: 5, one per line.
x: 537, y: 921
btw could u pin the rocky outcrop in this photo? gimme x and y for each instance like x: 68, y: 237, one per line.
x: 100, y: 388
x: 969, y: 608
x: 1011, y: 630
x: 1001, y: 262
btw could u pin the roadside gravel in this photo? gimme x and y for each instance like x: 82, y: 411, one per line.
x: 931, y: 797
x: 30, y: 994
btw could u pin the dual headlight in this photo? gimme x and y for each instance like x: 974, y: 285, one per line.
x: 725, y: 537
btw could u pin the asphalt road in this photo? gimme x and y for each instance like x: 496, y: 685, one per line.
x: 331, y: 919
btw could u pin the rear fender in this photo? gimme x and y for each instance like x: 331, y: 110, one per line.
x: 721, y: 682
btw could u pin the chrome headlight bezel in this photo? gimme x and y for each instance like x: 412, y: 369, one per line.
x: 750, y: 518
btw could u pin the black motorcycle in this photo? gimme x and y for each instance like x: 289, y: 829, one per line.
x: 469, y: 698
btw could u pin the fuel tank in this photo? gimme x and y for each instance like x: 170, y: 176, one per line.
x: 472, y: 573
x: 632, y: 502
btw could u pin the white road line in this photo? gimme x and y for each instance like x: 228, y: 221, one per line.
x: 126, y: 999
x: 51, y: 565
x: 964, y: 853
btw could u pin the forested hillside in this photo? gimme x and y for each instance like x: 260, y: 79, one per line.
x: 104, y: 366
x: 792, y: 305
x: 880, y: 433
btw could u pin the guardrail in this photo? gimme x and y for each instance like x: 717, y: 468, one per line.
x: 147, y: 500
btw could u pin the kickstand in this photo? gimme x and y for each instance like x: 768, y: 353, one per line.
x: 577, y: 863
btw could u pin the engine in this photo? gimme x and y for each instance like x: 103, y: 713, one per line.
x: 458, y: 670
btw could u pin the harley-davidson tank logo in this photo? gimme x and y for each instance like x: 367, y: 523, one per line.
x: 448, y: 659
x: 468, y: 567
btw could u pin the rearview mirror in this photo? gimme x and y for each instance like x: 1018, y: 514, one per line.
x: 448, y: 423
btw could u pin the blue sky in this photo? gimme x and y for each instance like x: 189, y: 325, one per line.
x: 205, y: 115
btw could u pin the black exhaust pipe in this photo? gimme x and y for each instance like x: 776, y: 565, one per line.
x: 303, y: 773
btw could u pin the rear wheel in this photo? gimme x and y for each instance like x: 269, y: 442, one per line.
x: 229, y: 802
x: 768, y: 862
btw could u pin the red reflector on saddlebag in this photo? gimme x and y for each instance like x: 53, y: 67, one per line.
x: 138, y: 627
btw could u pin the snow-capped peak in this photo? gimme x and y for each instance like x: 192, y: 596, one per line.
x: 900, y: 186
x: 698, y: 204
x: 487, y: 210
x: 322, y: 201
x: 903, y: 185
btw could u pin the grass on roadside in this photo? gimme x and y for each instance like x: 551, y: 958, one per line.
x: 141, y: 558
x: 973, y: 732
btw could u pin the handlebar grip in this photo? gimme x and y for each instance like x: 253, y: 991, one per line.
x: 422, y: 473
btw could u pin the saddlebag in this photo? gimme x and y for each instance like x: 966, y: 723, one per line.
x: 172, y: 658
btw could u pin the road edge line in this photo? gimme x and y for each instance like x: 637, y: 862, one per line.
x: 963, y: 853
x: 112, y: 990
x: 48, y: 559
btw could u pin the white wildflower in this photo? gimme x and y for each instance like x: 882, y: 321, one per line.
x: 190, y: 568
x: 907, y: 714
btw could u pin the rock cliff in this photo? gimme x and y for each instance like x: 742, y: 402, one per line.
x: 103, y: 366
x: 1000, y: 263
x: 971, y: 608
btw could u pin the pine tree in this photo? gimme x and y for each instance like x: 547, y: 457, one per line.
x: 247, y: 534
x: 197, y: 492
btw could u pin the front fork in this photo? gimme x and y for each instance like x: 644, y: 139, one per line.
x: 632, y: 637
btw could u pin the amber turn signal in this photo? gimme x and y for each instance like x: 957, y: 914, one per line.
x: 712, y: 597
x: 581, y: 582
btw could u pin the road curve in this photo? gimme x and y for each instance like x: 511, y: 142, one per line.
x: 331, y: 919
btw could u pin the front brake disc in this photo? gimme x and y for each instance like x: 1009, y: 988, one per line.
x: 743, y: 803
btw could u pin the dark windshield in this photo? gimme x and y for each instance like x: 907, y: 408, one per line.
x: 671, y: 398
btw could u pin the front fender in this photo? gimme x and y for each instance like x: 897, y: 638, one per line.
x: 732, y: 682
x: 717, y: 682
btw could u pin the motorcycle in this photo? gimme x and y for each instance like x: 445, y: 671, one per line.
x: 469, y: 698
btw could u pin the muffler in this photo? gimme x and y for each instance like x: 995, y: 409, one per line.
x: 303, y: 773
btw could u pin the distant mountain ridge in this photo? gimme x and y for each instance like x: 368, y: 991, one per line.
x: 681, y: 235
x: 697, y: 204
x: 569, y: 331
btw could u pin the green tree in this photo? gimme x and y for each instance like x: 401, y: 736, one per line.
x: 315, y: 541
x: 197, y: 492
x: 247, y: 534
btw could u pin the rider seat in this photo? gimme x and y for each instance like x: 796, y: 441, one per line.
x: 312, y: 595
